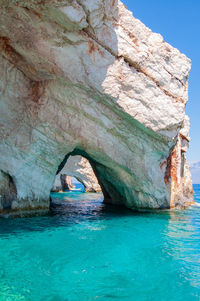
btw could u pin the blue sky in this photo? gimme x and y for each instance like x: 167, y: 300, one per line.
x: 179, y: 23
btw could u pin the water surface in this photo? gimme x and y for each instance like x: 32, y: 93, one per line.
x: 85, y: 250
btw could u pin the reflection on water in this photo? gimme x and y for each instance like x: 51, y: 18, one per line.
x: 76, y: 206
x: 86, y: 250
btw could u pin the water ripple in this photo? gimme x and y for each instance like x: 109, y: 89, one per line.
x: 86, y: 250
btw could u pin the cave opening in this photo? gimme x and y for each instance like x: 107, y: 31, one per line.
x: 108, y: 191
x: 8, y: 191
x: 77, y: 188
x: 78, y: 185
x: 76, y: 173
x: 107, y: 186
x: 108, y: 175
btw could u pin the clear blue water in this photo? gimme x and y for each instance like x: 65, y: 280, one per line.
x: 85, y: 250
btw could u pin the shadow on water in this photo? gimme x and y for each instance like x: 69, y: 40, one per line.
x: 74, y: 207
x: 66, y: 209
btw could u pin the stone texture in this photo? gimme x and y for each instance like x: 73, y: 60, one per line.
x: 179, y: 177
x: 87, y: 78
x: 80, y: 168
x: 61, y: 183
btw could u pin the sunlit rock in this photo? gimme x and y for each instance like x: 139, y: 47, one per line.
x: 87, y: 78
x: 81, y: 169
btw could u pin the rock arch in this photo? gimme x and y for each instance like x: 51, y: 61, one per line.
x: 80, y: 168
x: 86, y: 77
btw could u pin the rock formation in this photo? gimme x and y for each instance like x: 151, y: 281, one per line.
x: 84, y: 77
x: 66, y: 182
x: 81, y: 169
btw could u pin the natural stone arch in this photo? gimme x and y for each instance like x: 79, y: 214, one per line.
x: 79, y: 168
x: 101, y: 85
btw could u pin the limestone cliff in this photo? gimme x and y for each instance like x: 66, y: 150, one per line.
x: 84, y: 77
x: 81, y: 169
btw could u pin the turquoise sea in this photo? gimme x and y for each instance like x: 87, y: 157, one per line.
x: 85, y: 250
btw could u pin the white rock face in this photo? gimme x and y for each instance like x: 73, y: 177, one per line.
x: 81, y: 169
x: 87, y: 78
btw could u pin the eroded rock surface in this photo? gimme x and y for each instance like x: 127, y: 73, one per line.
x: 80, y: 168
x: 87, y: 78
